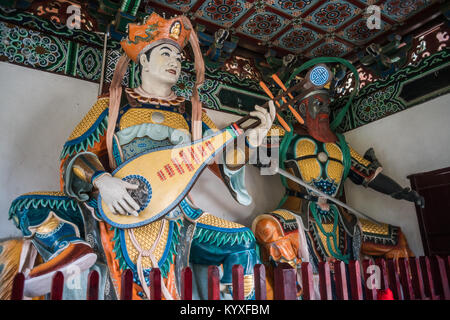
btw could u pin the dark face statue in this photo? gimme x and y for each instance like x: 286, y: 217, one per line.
x: 315, y: 110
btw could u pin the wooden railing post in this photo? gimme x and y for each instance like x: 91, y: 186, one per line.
x: 405, y: 277
x: 18, y: 286
x: 92, y: 285
x: 57, y: 286
x: 260, y: 282
x: 126, y: 285
x: 307, y: 282
x: 326, y: 292
x: 417, y: 279
x: 285, y: 283
x: 394, y: 280
x: 355, y: 280
x: 213, y: 283
x: 155, y: 284
x: 341, y: 280
x: 381, y: 263
x: 186, y: 284
x: 370, y: 288
x: 237, y: 273
x: 440, y: 277
x: 428, y: 278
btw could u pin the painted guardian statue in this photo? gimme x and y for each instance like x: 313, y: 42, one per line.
x: 69, y: 229
x: 307, y: 226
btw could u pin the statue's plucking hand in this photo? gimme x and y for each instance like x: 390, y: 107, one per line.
x: 115, y: 195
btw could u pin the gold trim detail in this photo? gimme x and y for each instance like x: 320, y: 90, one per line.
x: 46, y: 193
x: 214, y: 221
x: 163, y: 102
x: 146, y: 237
x: 90, y: 118
x: 370, y: 227
x: 136, y: 116
x: 355, y: 155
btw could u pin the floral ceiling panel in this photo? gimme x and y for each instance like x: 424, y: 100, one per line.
x: 301, y: 27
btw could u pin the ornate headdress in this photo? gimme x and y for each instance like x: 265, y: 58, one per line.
x: 142, y: 37
x: 154, y: 31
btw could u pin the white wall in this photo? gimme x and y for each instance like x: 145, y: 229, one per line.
x: 40, y: 109
x: 411, y: 141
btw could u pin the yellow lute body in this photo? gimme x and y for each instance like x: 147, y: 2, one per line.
x: 165, y: 176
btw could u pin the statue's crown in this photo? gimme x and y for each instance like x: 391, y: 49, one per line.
x: 155, y: 30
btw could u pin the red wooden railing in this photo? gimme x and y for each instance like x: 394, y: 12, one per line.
x: 423, y: 278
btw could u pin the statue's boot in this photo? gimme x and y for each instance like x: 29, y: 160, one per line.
x: 69, y: 254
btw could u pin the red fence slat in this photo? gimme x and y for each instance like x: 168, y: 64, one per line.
x: 355, y: 280
x: 186, y: 284
x: 326, y: 292
x: 260, y: 282
x: 285, y: 283
x: 341, y: 280
x: 57, y: 286
x: 394, y: 279
x: 417, y: 279
x: 18, y: 286
x: 155, y: 284
x: 381, y: 263
x: 307, y: 282
x: 440, y: 277
x: 405, y: 278
x: 126, y: 286
x: 237, y: 273
x: 213, y: 283
x: 428, y: 278
x: 92, y: 285
x: 370, y: 279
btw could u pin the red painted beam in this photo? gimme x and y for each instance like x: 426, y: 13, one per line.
x: 325, y: 289
x: 381, y: 263
x: 57, y: 286
x: 285, y: 284
x: 18, y: 286
x: 341, y: 280
x: 428, y: 278
x: 355, y: 280
x: 405, y: 277
x: 260, y: 282
x: 417, y: 279
x: 440, y: 277
x: 92, y: 285
x: 186, y: 284
x: 394, y: 280
x: 307, y: 282
x: 237, y: 273
x: 126, y: 286
x: 213, y: 283
x: 370, y: 279
x: 155, y: 284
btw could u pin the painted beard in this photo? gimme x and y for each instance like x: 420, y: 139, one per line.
x: 319, y: 127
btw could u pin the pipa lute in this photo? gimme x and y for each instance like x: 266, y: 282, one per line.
x: 165, y: 175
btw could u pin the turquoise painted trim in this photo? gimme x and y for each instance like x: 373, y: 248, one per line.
x: 88, y: 139
x: 222, y: 236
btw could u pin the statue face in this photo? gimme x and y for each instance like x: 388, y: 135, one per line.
x: 163, y: 65
x: 318, y: 105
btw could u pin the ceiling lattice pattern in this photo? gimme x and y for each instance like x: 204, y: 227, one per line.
x: 303, y: 27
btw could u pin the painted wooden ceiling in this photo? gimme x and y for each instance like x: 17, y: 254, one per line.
x: 307, y: 28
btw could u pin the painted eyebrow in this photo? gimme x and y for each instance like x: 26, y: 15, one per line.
x: 178, y: 54
x: 165, y: 48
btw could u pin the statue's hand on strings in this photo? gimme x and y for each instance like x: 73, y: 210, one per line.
x: 256, y: 135
x: 114, y: 193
